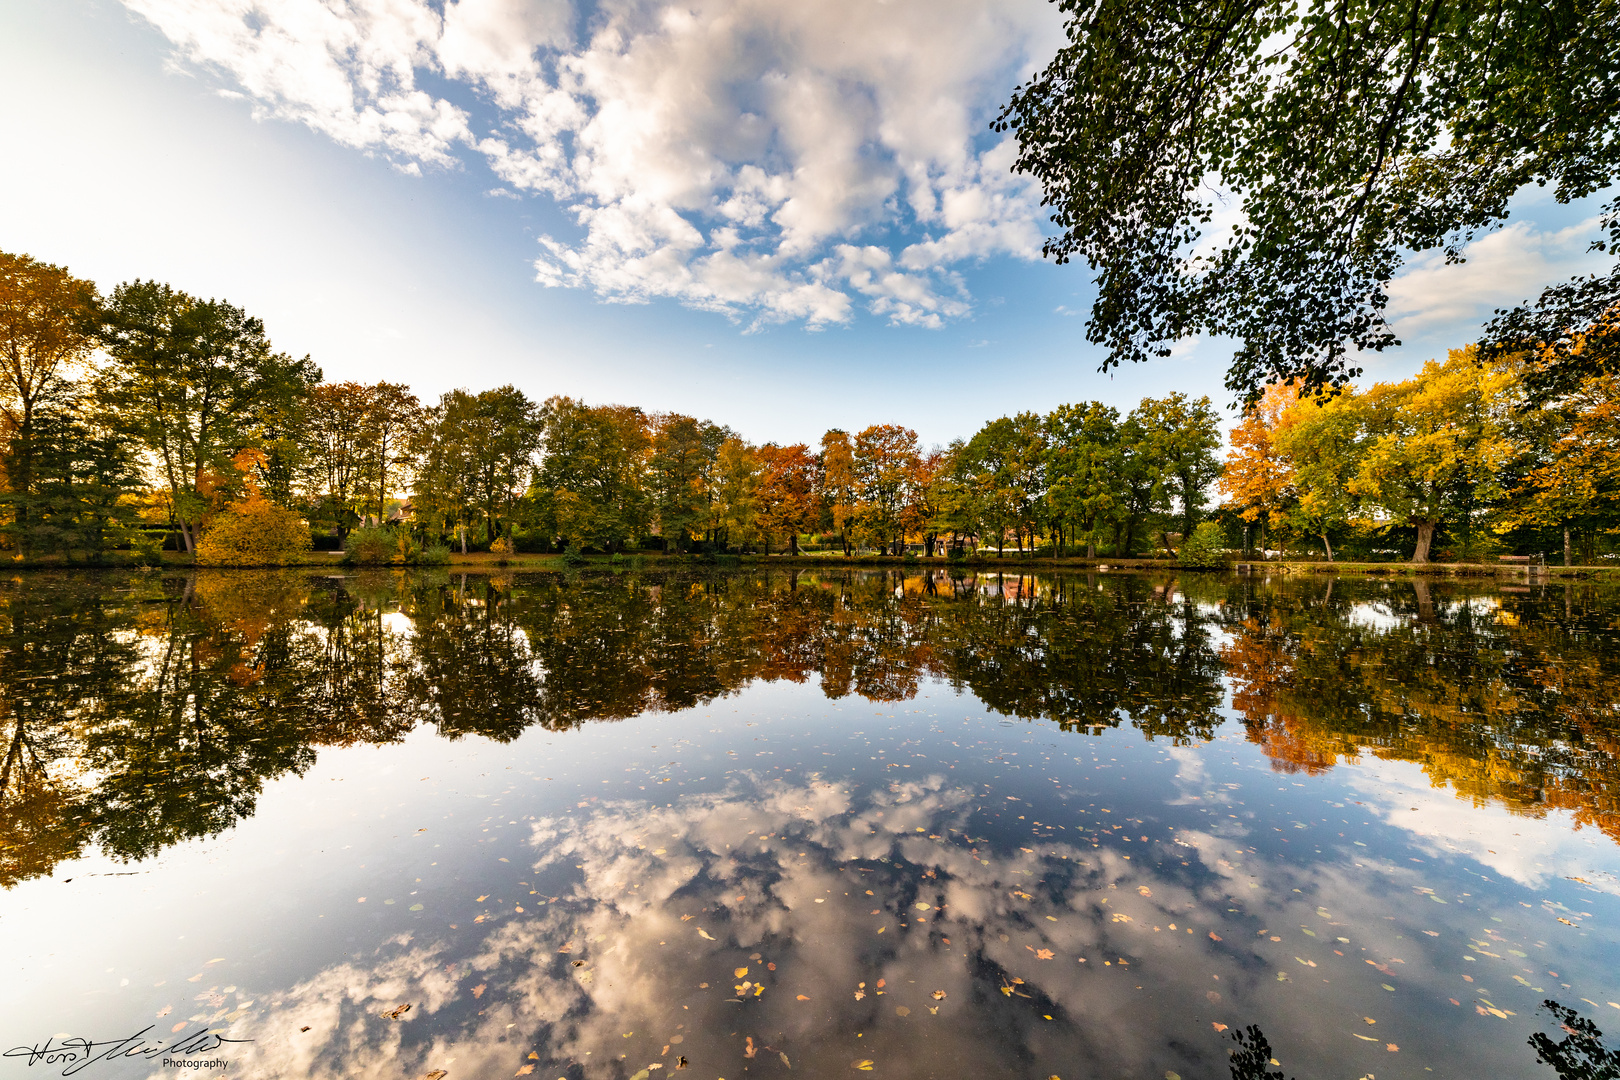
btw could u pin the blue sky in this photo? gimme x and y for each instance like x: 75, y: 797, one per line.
x: 782, y: 217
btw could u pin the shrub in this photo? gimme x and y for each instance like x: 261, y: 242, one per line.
x: 375, y: 546
x: 955, y: 554
x: 254, y: 532
x: 1206, y: 547
x: 572, y: 556
x: 501, y: 546
x: 436, y: 555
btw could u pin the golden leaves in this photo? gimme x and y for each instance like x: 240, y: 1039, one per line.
x: 862, y: 1064
x: 396, y: 1013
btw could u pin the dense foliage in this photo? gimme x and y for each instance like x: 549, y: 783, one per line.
x: 1330, y: 139
x: 152, y: 417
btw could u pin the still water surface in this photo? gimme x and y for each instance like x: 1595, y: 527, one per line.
x: 816, y: 824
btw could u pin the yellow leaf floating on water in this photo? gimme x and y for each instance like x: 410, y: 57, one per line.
x: 1044, y: 954
x: 939, y: 995
x: 524, y: 1071
x: 863, y: 1064
x: 1144, y: 890
x: 704, y: 934
x: 1364, y: 1038
x: 740, y: 972
x: 395, y: 1014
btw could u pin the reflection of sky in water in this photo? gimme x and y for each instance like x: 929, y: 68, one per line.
x: 779, y: 884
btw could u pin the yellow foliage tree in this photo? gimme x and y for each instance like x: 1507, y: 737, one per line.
x: 253, y: 531
x: 1259, y: 478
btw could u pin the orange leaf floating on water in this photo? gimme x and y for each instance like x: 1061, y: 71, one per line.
x: 1218, y: 1026
x: 524, y: 1071
x: 395, y: 1014
x: 1213, y: 936
x: 939, y: 995
x: 478, y: 991
x: 1391, y: 1047
x: 1043, y: 954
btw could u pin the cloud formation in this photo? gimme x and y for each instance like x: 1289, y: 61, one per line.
x: 773, y: 162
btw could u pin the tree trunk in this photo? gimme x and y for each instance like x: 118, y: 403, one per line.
x: 1091, y: 545
x: 793, y: 543
x: 1328, y: 546
x: 461, y: 531
x: 1424, y: 538
x: 1566, y: 547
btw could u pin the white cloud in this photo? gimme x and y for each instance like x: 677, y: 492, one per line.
x: 769, y: 161
x: 1502, y: 269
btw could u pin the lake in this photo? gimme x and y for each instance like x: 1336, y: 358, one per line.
x: 819, y: 823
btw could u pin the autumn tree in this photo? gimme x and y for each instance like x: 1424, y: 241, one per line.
x: 338, y: 438
x: 786, y: 496
x: 1258, y: 480
x: 735, y: 506
x: 885, y: 463
x: 1319, y: 440
x: 1573, y: 476
x: 47, y: 329
x: 1434, y: 446
x: 837, y: 483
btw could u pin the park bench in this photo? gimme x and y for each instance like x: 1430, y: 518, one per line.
x: 1525, y: 560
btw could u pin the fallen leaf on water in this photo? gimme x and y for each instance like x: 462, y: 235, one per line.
x: 533, y: 1056
x: 567, y: 948
x: 859, y: 994
x: 784, y: 1058
x: 1144, y: 890
x: 803, y: 998
x: 901, y: 1010
x: 1043, y: 954
x: 1217, y: 1026
x: 304, y: 1028
x: 481, y: 899
x: 921, y: 907
x: 704, y: 934
x: 577, y: 963
x: 182, y: 1024
x: 165, y: 1011
x: 939, y: 995
x: 395, y: 1014
x: 524, y: 1071
x: 680, y: 1062
x: 687, y: 918
x: 1364, y: 1038
x: 478, y: 991
x: 1391, y: 1047
x: 436, y: 1074
x: 740, y: 972
x: 1368, y: 1020
x: 863, y: 1064
x: 1213, y: 936
x: 751, y: 1049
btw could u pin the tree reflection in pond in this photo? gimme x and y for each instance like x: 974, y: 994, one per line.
x: 1075, y: 884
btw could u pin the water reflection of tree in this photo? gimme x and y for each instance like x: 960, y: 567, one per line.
x: 181, y: 696
x: 1508, y: 699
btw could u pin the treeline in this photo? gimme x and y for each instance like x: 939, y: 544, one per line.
x: 150, y: 412
x: 150, y: 416
x: 1459, y: 454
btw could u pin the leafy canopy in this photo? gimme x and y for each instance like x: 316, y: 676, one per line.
x: 1345, y: 133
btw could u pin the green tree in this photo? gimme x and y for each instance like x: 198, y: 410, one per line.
x: 1183, y: 436
x: 190, y: 378
x: 1346, y: 134
x: 588, y: 489
x: 1082, y: 462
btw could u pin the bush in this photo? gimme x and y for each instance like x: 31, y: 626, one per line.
x: 501, y: 546
x: 1206, y: 547
x: 375, y: 546
x: 955, y: 554
x: 436, y: 555
x: 572, y: 556
x: 254, y: 532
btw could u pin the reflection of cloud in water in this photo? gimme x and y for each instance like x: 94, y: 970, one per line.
x: 1050, y: 953
x: 1529, y: 849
